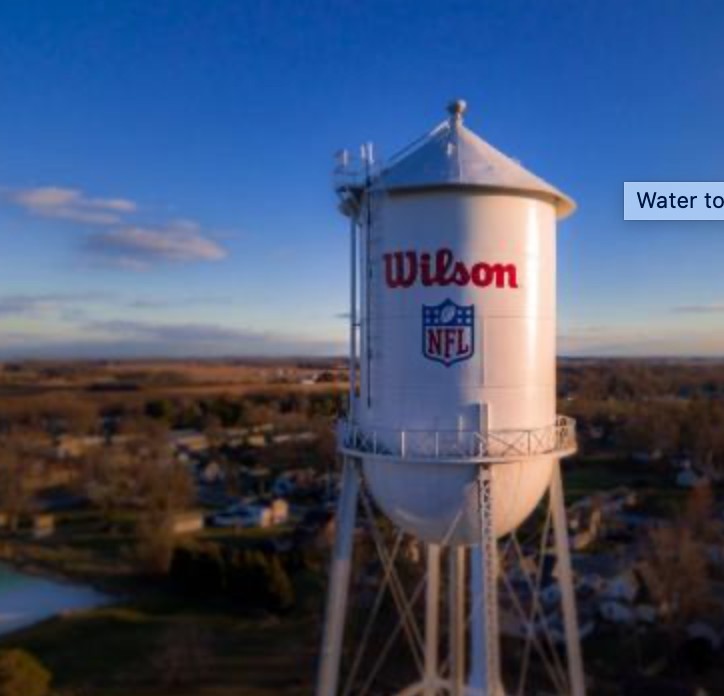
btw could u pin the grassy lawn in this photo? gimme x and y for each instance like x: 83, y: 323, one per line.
x: 159, y: 646
x: 152, y: 641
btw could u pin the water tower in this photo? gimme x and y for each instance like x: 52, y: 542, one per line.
x: 452, y: 426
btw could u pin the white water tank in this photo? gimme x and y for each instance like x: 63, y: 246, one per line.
x: 457, y: 335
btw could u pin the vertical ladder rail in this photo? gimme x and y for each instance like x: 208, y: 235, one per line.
x: 352, y: 315
x: 368, y: 198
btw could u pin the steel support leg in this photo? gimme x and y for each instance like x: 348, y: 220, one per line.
x: 485, y: 639
x: 432, y: 618
x: 334, y: 618
x: 457, y: 619
x: 565, y: 580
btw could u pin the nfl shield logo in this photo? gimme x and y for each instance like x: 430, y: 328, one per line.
x: 448, y: 332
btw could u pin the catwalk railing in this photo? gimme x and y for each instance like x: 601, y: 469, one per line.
x: 558, y: 439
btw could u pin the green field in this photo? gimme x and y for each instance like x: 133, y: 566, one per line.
x: 151, y: 640
x: 157, y: 647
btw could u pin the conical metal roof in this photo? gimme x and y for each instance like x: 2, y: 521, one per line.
x: 452, y: 155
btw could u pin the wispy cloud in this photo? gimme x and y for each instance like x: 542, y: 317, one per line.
x: 30, y: 305
x: 629, y: 340
x: 137, y: 248
x: 183, y: 332
x: 151, y: 303
x: 119, y: 239
x: 70, y: 204
x: 44, y: 303
x: 124, y: 338
x: 713, y: 308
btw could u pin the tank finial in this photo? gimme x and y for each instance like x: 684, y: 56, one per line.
x: 456, y: 109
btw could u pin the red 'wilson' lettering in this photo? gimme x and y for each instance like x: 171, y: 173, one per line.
x: 401, y: 269
x: 404, y: 268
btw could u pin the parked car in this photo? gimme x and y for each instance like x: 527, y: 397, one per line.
x: 241, y: 518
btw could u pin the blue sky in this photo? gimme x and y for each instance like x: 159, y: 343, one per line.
x: 165, y: 166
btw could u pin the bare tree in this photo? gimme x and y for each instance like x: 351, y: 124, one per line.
x: 165, y: 488
x: 15, y: 484
x: 699, y: 514
x: 111, y: 480
x: 676, y: 573
x: 141, y: 474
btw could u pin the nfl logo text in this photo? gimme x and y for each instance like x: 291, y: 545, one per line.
x: 448, y: 332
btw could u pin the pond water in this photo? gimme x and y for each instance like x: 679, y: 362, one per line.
x: 26, y: 599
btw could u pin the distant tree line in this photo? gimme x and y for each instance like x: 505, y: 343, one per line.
x: 634, y: 380
x: 247, y: 410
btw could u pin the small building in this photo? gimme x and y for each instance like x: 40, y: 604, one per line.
x: 190, y: 441
x: 187, y: 522
x: 257, y: 440
x: 279, y: 511
x: 43, y: 526
x: 72, y: 446
x: 287, y: 438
